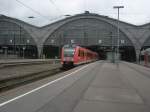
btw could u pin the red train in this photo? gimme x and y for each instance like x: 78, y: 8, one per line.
x: 74, y: 55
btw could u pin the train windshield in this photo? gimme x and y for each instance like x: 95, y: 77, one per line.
x: 69, y: 52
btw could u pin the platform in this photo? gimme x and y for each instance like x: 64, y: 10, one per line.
x: 96, y: 87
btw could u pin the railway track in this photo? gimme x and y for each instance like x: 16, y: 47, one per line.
x: 27, y: 73
x: 18, y: 81
x: 20, y: 73
x: 4, y: 64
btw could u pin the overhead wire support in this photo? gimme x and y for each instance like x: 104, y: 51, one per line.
x: 33, y: 10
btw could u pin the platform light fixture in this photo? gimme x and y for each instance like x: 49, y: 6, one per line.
x: 11, y: 41
x: 24, y: 51
x: 72, y: 41
x: 28, y: 41
x: 52, y: 41
x: 99, y: 41
x: 122, y: 41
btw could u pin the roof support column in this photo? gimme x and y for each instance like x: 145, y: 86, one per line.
x: 137, y: 51
x: 40, y: 50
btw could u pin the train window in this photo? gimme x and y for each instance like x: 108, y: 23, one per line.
x: 89, y: 54
x: 81, y: 53
x: 69, y: 46
x: 85, y: 54
x: 69, y: 52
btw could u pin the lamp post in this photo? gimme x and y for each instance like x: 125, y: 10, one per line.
x: 118, y: 40
x: 24, y: 51
x: 5, y: 51
x: 19, y: 47
x: 72, y: 41
x: 28, y: 40
x: 112, y: 48
x: 14, y: 44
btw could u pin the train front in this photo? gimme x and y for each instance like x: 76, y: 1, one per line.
x: 67, y: 56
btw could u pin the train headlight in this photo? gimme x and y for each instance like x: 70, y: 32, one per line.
x: 64, y: 59
x: 72, y: 59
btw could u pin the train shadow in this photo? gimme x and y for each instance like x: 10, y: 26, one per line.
x: 67, y: 68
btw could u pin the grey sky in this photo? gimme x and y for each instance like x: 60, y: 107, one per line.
x: 136, y: 11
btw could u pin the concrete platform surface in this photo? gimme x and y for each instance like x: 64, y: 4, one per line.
x: 112, y: 91
x: 96, y: 87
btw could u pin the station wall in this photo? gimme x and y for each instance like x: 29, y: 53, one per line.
x: 84, y: 29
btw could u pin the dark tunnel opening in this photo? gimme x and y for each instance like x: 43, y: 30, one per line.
x: 127, y: 53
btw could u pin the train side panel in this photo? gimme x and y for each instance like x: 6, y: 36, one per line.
x: 79, y: 56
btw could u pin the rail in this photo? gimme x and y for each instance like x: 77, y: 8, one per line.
x: 12, y: 63
x: 32, y: 70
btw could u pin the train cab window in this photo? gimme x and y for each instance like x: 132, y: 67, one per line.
x: 68, y: 52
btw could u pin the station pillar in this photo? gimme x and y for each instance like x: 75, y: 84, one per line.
x: 137, y: 56
x: 40, y: 51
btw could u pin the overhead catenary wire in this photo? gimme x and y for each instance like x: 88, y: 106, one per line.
x: 52, y: 2
x: 33, y: 10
